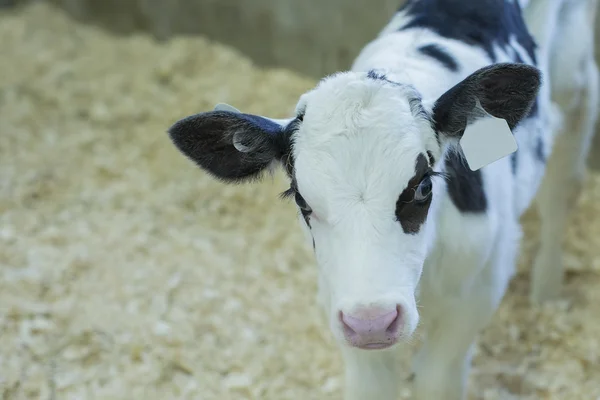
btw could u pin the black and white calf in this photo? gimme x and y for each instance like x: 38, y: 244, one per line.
x: 392, y: 209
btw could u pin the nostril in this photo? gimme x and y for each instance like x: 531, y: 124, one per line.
x: 393, y: 327
x: 347, y: 329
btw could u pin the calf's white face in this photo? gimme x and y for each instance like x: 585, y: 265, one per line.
x: 360, y: 155
x: 362, y: 174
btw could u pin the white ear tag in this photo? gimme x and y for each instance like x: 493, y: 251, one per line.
x: 486, y: 140
x: 226, y: 107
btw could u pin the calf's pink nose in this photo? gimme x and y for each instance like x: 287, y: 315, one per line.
x: 372, y: 328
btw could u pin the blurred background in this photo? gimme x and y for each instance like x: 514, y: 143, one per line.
x: 127, y: 273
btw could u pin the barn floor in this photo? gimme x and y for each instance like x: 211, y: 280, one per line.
x: 126, y: 273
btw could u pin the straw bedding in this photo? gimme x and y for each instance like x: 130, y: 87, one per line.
x: 126, y: 273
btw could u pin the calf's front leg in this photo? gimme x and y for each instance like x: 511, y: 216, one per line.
x: 460, y: 312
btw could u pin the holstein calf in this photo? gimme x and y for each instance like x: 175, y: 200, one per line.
x: 388, y: 201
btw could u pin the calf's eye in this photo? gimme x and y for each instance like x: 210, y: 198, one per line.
x: 302, y: 203
x: 423, y: 190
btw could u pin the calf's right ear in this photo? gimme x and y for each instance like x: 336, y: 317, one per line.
x: 504, y: 90
x: 233, y: 147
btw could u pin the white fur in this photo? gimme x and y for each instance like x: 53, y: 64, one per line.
x: 354, y: 154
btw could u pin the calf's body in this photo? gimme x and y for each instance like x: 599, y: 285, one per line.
x: 395, y: 215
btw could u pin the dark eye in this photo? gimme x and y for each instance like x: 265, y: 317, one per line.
x: 423, y: 190
x: 302, y: 203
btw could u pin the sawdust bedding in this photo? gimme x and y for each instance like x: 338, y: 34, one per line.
x: 126, y: 273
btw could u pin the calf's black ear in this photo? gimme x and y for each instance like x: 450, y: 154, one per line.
x: 233, y: 147
x: 504, y: 90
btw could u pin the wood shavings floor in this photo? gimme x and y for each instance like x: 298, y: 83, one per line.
x: 126, y: 273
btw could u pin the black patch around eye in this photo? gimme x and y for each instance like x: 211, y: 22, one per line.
x: 411, y: 213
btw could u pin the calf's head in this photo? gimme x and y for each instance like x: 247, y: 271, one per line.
x: 362, y: 154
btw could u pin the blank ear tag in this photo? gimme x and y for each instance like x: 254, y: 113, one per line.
x: 486, y: 140
x: 226, y: 107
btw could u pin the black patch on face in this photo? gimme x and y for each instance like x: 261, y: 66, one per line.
x: 482, y: 23
x: 465, y: 187
x: 410, y: 213
x: 438, y: 53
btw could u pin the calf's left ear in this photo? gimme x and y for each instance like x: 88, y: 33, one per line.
x: 504, y: 90
x: 231, y: 146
